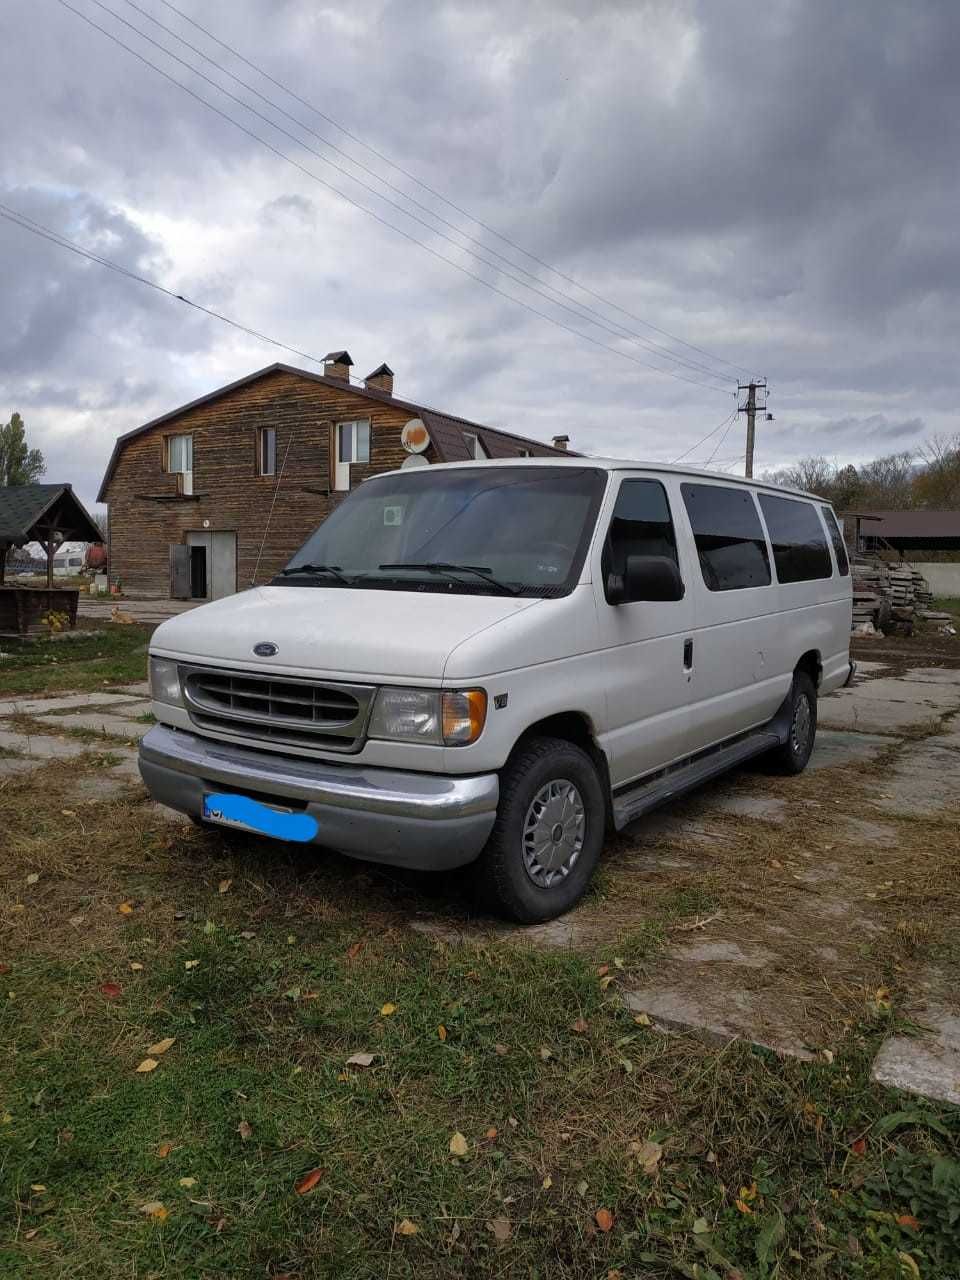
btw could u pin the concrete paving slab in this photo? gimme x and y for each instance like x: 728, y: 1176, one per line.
x: 98, y: 788
x: 764, y: 808
x: 41, y: 746
x: 40, y: 706
x: 141, y: 689
x: 99, y: 722
x: 128, y: 767
x: 935, y: 675
x: 923, y: 781
x: 868, y: 668
x: 866, y: 832
x: 173, y: 816
x: 889, y: 705
x: 715, y: 1014
x: 834, y: 747
x: 133, y: 710
x: 928, y: 1064
x: 10, y: 766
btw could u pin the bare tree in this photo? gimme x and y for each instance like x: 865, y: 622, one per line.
x: 937, y: 483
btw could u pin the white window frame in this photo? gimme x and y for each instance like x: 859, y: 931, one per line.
x: 475, y: 445
x: 358, y: 451
x: 185, y: 471
x: 266, y: 467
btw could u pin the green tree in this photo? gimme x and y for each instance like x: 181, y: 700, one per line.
x: 18, y: 463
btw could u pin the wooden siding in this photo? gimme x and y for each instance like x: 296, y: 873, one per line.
x: 146, y: 516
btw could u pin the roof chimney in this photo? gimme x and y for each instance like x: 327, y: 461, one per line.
x: 336, y: 364
x: 381, y: 379
x: 561, y: 442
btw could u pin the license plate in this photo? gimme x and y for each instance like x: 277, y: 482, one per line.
x: 246, y: 814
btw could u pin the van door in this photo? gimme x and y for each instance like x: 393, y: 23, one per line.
x: 644, y: 645
x: 738, y: 678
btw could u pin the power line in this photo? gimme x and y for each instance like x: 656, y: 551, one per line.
x: 728, y: 420
x: 583, y: 311
x: 437, y: 194
x: 575, y: 311
x: 719, y: 445
x: 371, y: 213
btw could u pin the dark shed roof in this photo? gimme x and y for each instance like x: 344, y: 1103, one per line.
x: 26, y: 509
x: 446, y: 430
x: 913, y: 530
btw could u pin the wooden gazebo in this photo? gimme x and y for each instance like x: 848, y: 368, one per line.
x: 49, y: 514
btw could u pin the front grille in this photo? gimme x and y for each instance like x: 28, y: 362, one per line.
x: 278, y: 709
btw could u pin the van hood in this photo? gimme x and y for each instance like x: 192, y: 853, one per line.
x: 335, y: 631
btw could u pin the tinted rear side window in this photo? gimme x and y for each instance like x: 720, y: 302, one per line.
x: 796, y: 535
x: 836, y: 537
x: 729, y: 536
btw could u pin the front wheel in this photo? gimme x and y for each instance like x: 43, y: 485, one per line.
x: 791, y: 756
x: 548, y: 834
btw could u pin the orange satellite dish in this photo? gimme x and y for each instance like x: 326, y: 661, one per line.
x: 415, y: 437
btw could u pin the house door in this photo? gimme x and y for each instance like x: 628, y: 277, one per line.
x: 213, y: 564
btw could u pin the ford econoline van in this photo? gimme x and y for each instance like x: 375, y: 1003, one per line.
x: 498, y: 663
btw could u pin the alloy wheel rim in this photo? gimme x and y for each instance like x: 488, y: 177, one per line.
x: 800, y: 728
x: 553, y: 832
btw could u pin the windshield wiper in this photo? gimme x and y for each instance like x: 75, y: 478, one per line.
x: 442, y: 566
x: 334, y: 571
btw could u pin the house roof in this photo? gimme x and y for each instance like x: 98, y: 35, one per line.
x: 918, y: 525
x: 446, y: 430
x: 24, y: 507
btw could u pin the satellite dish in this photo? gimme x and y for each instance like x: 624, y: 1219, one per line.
x: 415, y: 460
x: 415, y: 437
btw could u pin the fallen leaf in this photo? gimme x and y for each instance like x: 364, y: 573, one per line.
x: 827, y: 1055
x: 125, y: 909
x: 749, y: 1193
x: 500, y: 1228
x: 859, y: 1147
x: 513, y: 1122
x: 188, y: 1182
x: 602, y: 970
x: 28, y: 1235
x: 743, y: 1207
x: 910, y: 1263
x: 164, y: 1150
x: 458, y: 1145
x: 136, y: 966
x: 4, y: 968
x: 386, y: 1010
x: 579, y: 1025
x: 501, y: 1049
x: 442, y: 1031
x: 155, y: 1209
x: 360, y: 1060
x: 224, y: 886
x: 111, y: 990
x: 33, y: 877
x: 604, y: 1219
x: 77, y: 920
x: 37, y: 1186
x: 547, y: 1183
x: 246, y: 935
x: 309, y: 1181
x: 700, y: 1226
x: 490, y: 1134
x: 354, y: 950
x: 245, y: 1130
x: 908, y: 1220
x: 882, y: 997
x: 148, y: 1064
x: 545, y: 1053
x: 162, y: 1046
x: 407, y: 1228
x: 582, y: 1187
x: 642, y: 1019
x: 190, y: 964
x: 605, y: 982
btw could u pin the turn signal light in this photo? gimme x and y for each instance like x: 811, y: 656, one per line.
x: 463, y: 713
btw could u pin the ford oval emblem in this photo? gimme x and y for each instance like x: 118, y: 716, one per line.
x: 265, y: 649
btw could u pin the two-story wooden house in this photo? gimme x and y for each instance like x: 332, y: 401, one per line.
x: 218, y: 494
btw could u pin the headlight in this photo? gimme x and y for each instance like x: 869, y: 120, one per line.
x: 165, y: 682
x: 453, y: 718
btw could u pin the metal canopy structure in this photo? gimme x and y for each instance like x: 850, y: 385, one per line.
x: 44, y: 513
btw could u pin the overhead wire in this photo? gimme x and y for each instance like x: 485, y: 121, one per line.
x: 439, y: 195
x: 370, y: 212
x: 583, y: 311
x: 719, y: 427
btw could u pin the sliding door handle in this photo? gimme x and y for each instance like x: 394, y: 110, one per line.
x: 688, y: 655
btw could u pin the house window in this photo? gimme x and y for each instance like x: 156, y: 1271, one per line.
x: 267, y: 451
x: 178, y: 461
x: 474, y: 445
x: 353, y: 445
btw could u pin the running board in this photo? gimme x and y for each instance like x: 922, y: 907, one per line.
x: 646, y: 795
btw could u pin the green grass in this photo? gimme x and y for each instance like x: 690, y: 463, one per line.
x: 263, y: 1028
x: 109, y: 655
x: 947, y: 604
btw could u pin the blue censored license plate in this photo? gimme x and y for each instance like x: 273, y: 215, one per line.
x: 247, y: 814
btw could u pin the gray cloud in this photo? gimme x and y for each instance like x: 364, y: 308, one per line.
x: 777, y: 184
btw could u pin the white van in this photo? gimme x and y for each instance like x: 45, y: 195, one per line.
x: 499, y: 662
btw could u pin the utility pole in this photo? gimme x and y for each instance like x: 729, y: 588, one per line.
x: 750, y: 409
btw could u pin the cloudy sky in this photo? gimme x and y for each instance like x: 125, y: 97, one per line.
x: 776, y: 184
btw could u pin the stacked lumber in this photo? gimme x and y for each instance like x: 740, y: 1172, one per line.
x: 887, y: 595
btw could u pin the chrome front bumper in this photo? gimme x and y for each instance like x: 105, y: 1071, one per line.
x: 424, y: 820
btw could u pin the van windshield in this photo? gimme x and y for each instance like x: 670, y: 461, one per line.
x: 485, y: 530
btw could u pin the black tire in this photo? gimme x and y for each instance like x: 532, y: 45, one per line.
x: 503, y: 880
x: 792, y: 756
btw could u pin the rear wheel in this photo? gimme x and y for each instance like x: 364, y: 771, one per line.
x: 548, y: 834
x: 791, y: 756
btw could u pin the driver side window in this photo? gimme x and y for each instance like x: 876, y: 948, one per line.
x: 640, y: 526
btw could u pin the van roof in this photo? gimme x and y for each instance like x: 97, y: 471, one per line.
x: 628, y: 464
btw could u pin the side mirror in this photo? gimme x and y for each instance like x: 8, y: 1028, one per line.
x: 646, y: 578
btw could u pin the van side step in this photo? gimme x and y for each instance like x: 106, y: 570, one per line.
x: 647, y: 794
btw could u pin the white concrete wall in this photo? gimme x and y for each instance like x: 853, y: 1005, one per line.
x: 944, y: 579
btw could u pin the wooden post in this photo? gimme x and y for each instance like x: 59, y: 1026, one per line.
x: 50, y: 546
x: 4, y: 548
